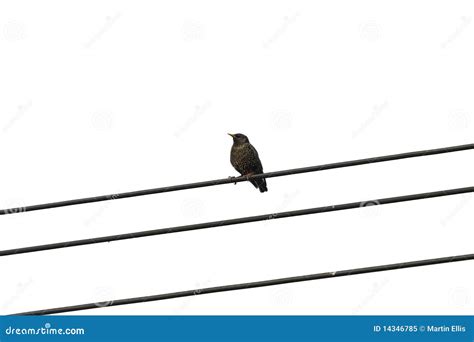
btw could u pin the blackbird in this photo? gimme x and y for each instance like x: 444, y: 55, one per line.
x: 244, y: 158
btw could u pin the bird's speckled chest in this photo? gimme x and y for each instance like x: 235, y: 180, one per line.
x: 244, y: 158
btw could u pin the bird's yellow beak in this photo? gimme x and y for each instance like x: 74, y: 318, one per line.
x: 231, y: 135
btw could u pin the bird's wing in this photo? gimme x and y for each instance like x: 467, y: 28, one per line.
x: 258, y: 163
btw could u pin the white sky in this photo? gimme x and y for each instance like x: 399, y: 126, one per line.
x: 111, y: 96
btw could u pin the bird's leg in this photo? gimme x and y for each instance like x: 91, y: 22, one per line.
x: 232, y: 177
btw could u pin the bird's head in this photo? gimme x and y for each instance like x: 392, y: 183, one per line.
x: 239, y: 138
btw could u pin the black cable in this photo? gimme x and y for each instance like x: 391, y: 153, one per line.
x: 240, y: 220
x: 237, y: 179
x: 244, y: 286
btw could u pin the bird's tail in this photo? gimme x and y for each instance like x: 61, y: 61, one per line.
x: 260, y: 184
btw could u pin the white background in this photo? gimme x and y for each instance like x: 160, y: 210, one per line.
x: 99, y: 97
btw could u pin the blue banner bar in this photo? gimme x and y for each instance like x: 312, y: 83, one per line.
x: 237, y: 328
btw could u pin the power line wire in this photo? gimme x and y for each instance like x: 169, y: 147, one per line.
x: 244, y: 286
x: 237, y: 179
x: 240, y: 220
